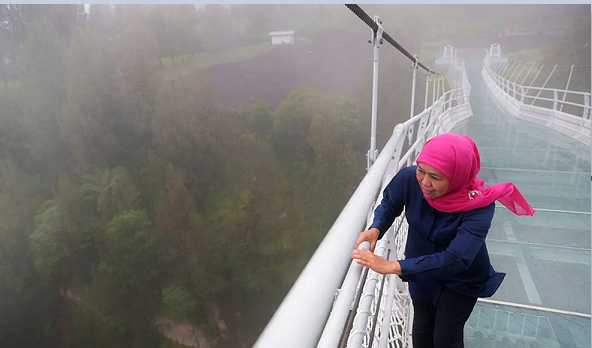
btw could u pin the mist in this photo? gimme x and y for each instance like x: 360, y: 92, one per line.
x: 166, y: 171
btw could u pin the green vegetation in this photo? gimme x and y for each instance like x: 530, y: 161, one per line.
x: 534, y: 55
x: 129, y: 192
x: 127, y: 196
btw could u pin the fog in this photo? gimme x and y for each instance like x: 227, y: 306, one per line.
x: 166, y: 171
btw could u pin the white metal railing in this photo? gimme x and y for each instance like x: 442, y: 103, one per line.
x: 527, y: 102
x: 387, y: 296
x: 317, y: 311
x: 485, y: 322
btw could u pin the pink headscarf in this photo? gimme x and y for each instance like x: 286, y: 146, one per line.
x: 457, y: 157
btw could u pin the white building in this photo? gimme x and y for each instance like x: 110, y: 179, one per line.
x: 282, y: 37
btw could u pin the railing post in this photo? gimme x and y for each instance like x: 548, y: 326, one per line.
x: 586, y: 106
x: 508, y: 66
x: 555, y: 100
x: 566, y: 87
x: 412, y: 109
x: 535, y: 77
x: 434, y: 89
x: 376, y: 41
x: 427, y: 89
x: 454, y: 62
x: 525, y: 76
x: 515, y: 69
x: 413, y: 87
x: 544, y: 84
x: 521, y: 70
x: 438, y: 87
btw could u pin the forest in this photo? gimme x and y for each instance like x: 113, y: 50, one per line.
x: 136, y: 207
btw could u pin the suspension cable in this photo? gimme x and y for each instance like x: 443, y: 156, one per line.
x: 357, y: 10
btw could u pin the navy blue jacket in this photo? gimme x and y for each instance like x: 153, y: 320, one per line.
x: 443, y: 249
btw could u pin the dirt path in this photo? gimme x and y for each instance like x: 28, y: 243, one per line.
x: 184, y: 334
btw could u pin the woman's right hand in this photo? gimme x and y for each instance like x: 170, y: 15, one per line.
x: 370, y: 236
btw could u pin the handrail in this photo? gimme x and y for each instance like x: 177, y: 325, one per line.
x: 310, y: 315
x: 301, y: 316
x: 429, y: 123
x: 514, y: 89
x: 573, y: 121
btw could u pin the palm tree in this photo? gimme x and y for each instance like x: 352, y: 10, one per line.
x: 112, y: 190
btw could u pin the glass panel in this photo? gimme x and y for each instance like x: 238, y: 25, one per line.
x: 506, y: 326
x: 546, y: 257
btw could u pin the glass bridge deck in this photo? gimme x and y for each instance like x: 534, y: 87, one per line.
x: 546, y: 257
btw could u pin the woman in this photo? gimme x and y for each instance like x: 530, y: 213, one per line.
x: 449, y: 212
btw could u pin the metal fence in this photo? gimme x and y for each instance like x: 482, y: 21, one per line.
x: 563, y: 110
x: 335, y: 302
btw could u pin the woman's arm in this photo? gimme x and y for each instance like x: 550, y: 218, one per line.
x: 456, y: 258
x: 390, y: 207
x: 392, y: 203
x: 368, y: 259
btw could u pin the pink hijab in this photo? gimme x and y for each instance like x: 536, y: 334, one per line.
x: 457, y: 157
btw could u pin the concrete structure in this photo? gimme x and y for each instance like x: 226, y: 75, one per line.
x: 282, y: 37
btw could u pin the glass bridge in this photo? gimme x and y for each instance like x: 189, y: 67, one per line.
x: 544, y: 300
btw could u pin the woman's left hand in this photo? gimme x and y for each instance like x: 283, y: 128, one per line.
x: 379, y: 265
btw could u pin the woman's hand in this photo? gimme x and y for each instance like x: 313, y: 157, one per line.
x: 376, y: 263
x: 370, y: 236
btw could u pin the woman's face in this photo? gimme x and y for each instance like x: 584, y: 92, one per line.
x: 432, y: 182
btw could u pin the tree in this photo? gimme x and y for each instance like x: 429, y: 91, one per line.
x: 111, y: 191
x: 47, y: 243
x: 291, y: 126
x: 174, y: 29
x: 136, y: 54
x: 88, y: 117
x: 331, y: 137
x: 258, y: 16
x: 20, y: 328
x: 262, y: 119
x: 101, y: 18
x: 188, y: 244
x: 180, y: 301
x: 43, y: 81
x: 16, y: 21
x: 215, y: 28
x: 125, y: 280
x: 198, y: 134
x: 130, y: 244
